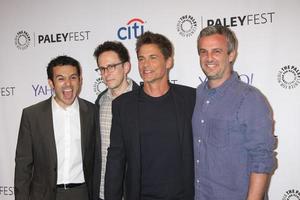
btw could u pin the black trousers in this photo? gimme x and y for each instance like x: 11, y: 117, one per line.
x: 76, y: 193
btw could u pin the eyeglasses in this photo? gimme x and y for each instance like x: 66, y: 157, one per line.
x: 108, y: 68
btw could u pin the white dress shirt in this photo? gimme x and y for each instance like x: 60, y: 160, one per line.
x: 67, y: 132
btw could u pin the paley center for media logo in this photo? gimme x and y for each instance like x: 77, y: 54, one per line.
x: 99, y: 86
x: 24, y: 39
x: 134, y: 28
x: 187, y: 25
x: 289, y: 77
x: 291, y: 195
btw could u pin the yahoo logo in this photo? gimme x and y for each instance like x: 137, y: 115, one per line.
x: 134, y: 28
x: 43, y: 90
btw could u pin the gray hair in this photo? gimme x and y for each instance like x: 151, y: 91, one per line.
x: 232, y: 42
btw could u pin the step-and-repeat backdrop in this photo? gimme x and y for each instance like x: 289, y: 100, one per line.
x: 33, y: 32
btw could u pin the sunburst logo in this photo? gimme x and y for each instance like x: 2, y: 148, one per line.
x: 99, y: 86
x: 289, y: 77
x: 22, y: 40
x: 187, y: 25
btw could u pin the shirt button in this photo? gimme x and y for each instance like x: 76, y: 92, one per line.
x: 198, y: 181
x: 202, y: 121
x: 197, y: 161
x: 207, y: 102
x: 199, y: 140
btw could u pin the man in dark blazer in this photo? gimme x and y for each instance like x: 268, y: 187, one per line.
x: 151, y: 145
x: 113, y: 63
x: 56, y: 144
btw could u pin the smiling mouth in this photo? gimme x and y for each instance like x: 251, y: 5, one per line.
x: 211, y: 65
x: 147, y: 71
x: 68, y: 93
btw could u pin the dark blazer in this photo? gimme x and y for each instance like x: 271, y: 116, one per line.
x: 124, y: 151
x: 98, y: 159
x: 36, y: 156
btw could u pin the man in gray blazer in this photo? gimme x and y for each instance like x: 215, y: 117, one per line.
x: 56, y: 144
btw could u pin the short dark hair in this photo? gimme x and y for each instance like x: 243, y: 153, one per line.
x: 232, y: 42
x: 61, y: 61
x: 163, y: 43
x: 114, y: 46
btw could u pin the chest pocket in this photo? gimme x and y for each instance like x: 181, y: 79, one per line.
x: 218, y: 135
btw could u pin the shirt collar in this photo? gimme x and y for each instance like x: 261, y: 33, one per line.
x: 221, y: 89
x: 129, y: 88
x: 73, y: 107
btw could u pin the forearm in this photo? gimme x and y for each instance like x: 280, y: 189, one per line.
x: 257, y: 186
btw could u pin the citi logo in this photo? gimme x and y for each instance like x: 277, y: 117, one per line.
x: 133, y: 29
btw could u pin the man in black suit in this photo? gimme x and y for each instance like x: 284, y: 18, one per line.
x: 56, y: 144
x: 151, y: 145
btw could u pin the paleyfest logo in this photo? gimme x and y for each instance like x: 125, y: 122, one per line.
x: 186, y: 25
x: 134, y: 28
x: 22, y: 40
x: 99, y: 86
x: 291, y: 195
x: 289, y: 77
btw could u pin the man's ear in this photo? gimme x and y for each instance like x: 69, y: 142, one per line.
x: 232, y: 56
x: 169, y: 62
x: 51, y: 84
x: 127, y: 67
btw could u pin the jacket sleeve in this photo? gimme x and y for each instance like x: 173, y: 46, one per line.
x: 97, y: 159
x: 115, y: 165
x: 23, y: 160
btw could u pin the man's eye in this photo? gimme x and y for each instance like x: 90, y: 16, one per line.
x: 202, y: 51
x: 218, y: 51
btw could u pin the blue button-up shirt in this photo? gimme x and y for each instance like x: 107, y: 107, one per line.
x: 233, y: 137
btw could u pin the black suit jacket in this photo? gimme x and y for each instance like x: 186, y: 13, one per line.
x: 36, y: 156
x: 124, y: 151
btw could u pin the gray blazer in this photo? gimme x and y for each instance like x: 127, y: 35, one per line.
x: 36, y: 156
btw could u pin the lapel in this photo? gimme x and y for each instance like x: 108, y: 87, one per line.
x: 179, y: 111
x: 136, y: 136
x: 83, y: 109
x: 47, y: 121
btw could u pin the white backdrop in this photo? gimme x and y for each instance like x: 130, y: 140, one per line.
x: 33, y: 32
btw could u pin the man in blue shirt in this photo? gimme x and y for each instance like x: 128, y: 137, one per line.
x: 232, y: 126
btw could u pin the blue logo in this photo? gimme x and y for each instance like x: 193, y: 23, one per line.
x: 133, y: 29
